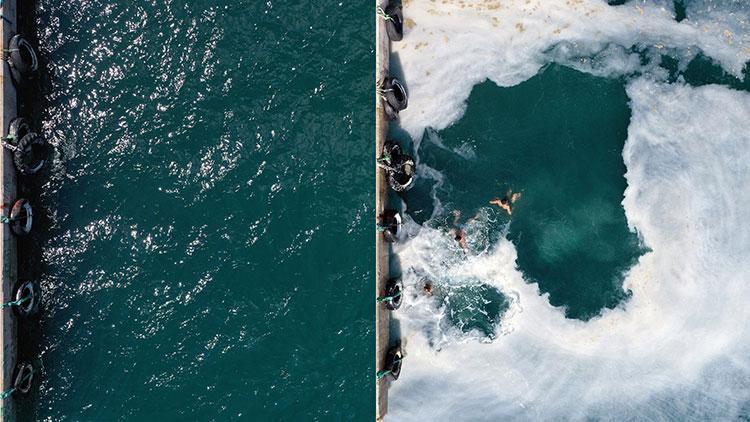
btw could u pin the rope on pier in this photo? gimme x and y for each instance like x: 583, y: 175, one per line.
x: 12, y: 390
x: 4, y: 142
x: 389, y: 298
x: 381, y: 13
x: 15, y: 302
x: 384, y: 372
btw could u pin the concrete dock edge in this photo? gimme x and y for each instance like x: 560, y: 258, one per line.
x: 382, y: 314
x: 8, y: 241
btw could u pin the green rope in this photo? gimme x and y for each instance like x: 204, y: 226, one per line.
x: 4, y: 219
x: 4, y: 140
x: 380, y: 90
x: 388, y: 298
x: 384, y: 372
x: 380, y: 228
x: 384, y: 15
x: 7, y: 394
x: 15, y: 302
x: 385, y: 158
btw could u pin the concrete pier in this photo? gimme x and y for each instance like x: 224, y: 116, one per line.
x: 382, y: 314
x: 8, y: 243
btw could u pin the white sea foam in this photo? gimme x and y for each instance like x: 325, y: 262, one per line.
x: 679, y: 348
x: 451, y: 45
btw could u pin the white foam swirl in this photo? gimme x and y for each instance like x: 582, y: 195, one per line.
x: 679, y: 348
x: 451, y: 45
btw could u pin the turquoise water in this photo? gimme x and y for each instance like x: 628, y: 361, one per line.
x: 211, y: 160
x: 557, y: 139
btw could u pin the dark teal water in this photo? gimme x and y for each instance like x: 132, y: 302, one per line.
x: 205, y: 237
x: 206, y: 244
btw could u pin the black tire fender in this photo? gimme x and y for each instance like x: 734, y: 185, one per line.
x: 392, y: 221
x: 21, y: 217
x: 18, y: 128
x: 395, y: 25
x: 403, y: 181
x: 23, y: 378
x: 29, y: 154
x: 23, y: 56
x: 394, y: 288
x: 31, y: 290
x: 22, y: 60
x: 395, y: 94
x: 389, y: 111
x: 393, y: 360
x: 404, y: 178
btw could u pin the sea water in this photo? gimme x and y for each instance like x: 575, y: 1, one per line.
x: 205, y: 229
x: 618, y: 287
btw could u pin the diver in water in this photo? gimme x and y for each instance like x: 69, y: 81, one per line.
x: 507, y: 201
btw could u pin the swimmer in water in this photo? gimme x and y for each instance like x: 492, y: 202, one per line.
x: 460, y: 236
x: 507, y: 201
x: 458, y: 233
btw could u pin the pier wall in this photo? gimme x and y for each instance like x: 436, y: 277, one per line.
x: 382, y: 314
x: 8, y: 243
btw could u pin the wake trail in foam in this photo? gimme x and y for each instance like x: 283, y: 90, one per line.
x: 679, y: 347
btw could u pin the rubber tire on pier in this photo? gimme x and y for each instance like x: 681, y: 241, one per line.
x: 393, y: 288
x: 29, y: 154
x: 22, y: 59
x: 393, y: 360
x: 394, y: 26
x: 389, y: 111
x: 23, y: 378
x: 18, y: 128
x: 402, y: 180
x: 29, y: 307
x: 391, y: 219
x: 20, y: 224
x: 395, y: 94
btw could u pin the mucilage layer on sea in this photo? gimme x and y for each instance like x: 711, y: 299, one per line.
x: 619, y: 287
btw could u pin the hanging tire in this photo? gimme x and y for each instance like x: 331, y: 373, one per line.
x: 393, y: 362
x: 391, y: 219
x: 389, y: 111
x: 31, y: 290
x: 18, y: 128
x: 23, y: 378
x: 23, y: 60
x: 395, y: 94
x: 403, y: 180
x: 21, y: 216
x: 394, y: 26
x: 394, y: 289
x: 29, y: 154
x: 403, y: 176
